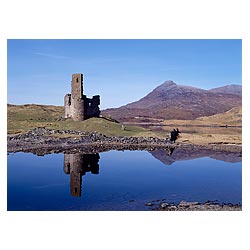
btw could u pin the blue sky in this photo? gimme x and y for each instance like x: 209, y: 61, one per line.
x: 120, y: 71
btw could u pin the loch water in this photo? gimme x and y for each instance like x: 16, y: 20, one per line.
x: 120, y: 180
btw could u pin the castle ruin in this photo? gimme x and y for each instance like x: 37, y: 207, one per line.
x: 77, y: 106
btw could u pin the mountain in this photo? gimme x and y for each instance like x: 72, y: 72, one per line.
x: 173, y: 101
x: 232, y: 89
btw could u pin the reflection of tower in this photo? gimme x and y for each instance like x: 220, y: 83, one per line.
x: 77, y: 165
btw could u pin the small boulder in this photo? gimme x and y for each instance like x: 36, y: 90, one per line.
x: 164, y: 205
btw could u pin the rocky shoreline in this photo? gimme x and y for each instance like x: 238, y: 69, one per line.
x: 193, y: 206
x: 44, y: 141
x: 52, y: 141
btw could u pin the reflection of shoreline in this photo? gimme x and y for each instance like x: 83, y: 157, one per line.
x: 184, y: 154
x: 78, y: 165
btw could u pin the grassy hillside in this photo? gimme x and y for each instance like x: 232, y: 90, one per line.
x: 34, y: 111
x: 202, y: 131
x: 25, y: 117
x: 233, y: 117
x: 22, y: 118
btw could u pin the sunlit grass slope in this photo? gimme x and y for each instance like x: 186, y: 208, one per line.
x: 22, y: 118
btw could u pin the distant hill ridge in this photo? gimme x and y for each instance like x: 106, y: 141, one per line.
x: 172, y: 101
x: 233, y: 89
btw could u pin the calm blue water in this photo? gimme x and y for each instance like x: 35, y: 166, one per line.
x: 116, y: 180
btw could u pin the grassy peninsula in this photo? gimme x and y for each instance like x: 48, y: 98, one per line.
x: 219, y: 130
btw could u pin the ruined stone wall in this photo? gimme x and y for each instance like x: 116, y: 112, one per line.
x: 92, y: 107
x: 67, y: 105
x: 77, y: 105
x: 78, y: 110
x: 77, y: 86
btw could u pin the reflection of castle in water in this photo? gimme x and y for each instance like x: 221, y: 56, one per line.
x: 77, y: 165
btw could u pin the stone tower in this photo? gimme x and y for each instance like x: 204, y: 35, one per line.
x: 78, y: 106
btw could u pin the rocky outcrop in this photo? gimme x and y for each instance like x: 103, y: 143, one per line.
x: 195, y: 206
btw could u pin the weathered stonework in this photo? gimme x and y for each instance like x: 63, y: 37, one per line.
x: 78, y: 106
